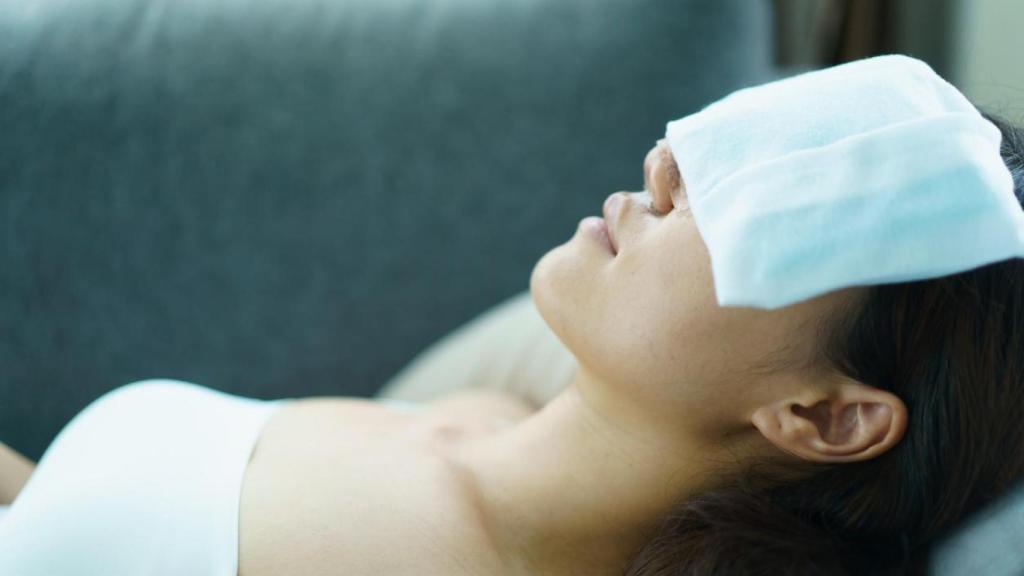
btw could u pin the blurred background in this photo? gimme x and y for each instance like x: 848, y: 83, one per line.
x: 972, y: 43
x: 282, y: 198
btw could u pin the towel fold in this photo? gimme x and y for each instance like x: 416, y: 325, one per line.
x: 870, y: 172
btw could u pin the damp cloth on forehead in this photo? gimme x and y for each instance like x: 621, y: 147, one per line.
x: 870, y: 172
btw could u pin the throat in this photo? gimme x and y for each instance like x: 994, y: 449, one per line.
x: 571, y: 490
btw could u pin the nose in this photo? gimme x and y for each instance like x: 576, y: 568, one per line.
x: 661, y: 177
x: 649, y: 160
x: 627, y: 203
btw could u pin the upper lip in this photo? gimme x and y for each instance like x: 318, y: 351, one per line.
x: 611, y: 210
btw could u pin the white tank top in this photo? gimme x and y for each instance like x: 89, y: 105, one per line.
x: 145, y: 481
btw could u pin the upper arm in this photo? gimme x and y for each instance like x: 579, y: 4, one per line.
x: 15, y: 470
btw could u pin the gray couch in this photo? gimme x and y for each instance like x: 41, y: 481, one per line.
x: 294, y: 197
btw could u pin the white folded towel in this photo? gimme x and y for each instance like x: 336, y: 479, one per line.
x: 869, y: 172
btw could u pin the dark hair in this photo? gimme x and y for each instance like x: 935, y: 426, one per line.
x: 952, y: 348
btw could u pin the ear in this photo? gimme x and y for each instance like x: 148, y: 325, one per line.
x: 848, y: 423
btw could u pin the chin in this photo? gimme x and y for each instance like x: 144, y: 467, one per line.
x: 541, y: 282
x: 557, y: 282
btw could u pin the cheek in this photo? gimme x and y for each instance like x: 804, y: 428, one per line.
x: 666, y: 335
x: 666, y: 314
x: 668, y: 274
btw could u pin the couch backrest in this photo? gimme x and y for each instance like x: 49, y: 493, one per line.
x: 293, y: 197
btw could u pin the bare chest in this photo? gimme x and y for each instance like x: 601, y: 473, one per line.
x: 351, y: 487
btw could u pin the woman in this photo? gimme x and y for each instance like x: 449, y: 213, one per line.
x: 841, y: 434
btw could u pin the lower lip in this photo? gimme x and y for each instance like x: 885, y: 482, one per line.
x: 595, y: 227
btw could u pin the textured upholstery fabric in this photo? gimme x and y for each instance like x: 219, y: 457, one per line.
x: 276, y: 197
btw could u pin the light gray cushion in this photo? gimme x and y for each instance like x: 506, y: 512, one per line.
x: 989, y: 544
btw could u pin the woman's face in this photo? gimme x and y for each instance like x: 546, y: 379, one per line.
x: 642, y: 318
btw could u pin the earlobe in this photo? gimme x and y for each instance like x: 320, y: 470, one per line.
x: 850, y: 423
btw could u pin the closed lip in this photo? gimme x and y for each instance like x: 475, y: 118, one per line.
x: 611, y: 212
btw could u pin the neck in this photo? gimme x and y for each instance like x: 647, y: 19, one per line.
x: 580, y: 485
